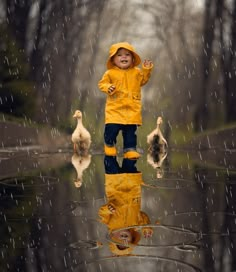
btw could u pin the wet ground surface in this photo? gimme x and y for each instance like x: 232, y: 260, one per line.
x: 63, y: 212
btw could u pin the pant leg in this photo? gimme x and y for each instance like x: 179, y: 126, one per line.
x: 129, y: 137
x: 110, y: 134
x: 129, y: 166
x: 111, y: 165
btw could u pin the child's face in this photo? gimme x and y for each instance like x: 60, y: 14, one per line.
x: 123, y: 58
x: 124, y: 236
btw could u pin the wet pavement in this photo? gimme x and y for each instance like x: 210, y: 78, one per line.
x: 64, y: 212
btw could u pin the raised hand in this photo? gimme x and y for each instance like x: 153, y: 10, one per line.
x: 147, y: 63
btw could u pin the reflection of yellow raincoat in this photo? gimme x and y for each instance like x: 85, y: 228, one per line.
x: 123, y: 192
x: 124, y: 105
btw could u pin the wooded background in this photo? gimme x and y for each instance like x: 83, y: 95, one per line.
x: 52, y: 54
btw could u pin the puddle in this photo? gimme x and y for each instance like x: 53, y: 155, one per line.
x: 51, y: 205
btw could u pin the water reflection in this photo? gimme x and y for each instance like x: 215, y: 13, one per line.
x: 156, y: 159
x: 80, y: 163
x: 182, y: 221
x: 122, y: 212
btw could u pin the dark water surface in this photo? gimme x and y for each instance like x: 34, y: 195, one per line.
x: 181, y: 213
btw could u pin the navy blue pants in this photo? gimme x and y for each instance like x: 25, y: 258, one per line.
x: 112, y: 167
x: 128, y: 132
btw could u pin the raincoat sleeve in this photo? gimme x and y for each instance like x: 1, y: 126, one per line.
x: 105, y: 82
x: 104, y: 214
x: 146, y: 73
x: 144, y: 218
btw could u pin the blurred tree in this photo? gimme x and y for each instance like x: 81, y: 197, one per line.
x: 226, y: 19
x: 219, y: 42
x: 177, y: 30
x: 195, y: 55
x: 66, y: 44
x: 61, y: 30
x: 16, y: 90
x: 51, y: 34
x: 17, y: 15
x: 201, y: 113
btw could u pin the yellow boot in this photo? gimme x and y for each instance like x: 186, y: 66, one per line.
x: 132, y: 154
x: 110, y: 150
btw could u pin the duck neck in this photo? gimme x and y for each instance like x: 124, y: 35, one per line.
x: 79, y: 122
x: 159, y: 131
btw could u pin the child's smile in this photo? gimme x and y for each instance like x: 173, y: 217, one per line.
x: 123, y: 58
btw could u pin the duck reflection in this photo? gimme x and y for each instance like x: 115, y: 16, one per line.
x: 156, y: 158
x: 122, y: 213
x: 80, y: 163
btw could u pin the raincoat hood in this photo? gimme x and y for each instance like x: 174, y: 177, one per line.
x: 120, y: 252
x: 114, y: 48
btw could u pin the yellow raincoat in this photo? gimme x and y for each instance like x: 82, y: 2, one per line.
x: 124, y: 105
x: 122, y: 212
x: 123, y: 192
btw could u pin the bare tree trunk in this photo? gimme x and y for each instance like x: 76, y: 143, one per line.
x: 64, y: 64
x: 229, y: 70
x: 202, y: 114
x: 57, y: 33
x: 17, y: 14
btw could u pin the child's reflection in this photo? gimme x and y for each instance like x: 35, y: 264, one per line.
x: 122, y: 212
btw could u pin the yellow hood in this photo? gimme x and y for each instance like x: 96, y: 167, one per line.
x: 120, y: 252
x: 114, y: 48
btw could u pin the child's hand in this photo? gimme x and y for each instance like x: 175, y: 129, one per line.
x: 111, y: 89
x: 147, y: 63
x: 147, y: 232
x: 111, y: 208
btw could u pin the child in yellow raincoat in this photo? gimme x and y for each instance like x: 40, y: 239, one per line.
x: 122, y: 83
x: 122, y: 213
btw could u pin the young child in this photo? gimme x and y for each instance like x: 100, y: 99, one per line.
x: 122, y: 83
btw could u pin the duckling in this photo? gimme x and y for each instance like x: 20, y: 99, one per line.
x: 81, y: 138
x: 80, y: 163
x: 156, y: 140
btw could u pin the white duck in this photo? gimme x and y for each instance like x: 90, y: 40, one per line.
x: 81, y: 138
x: 80, y: 163
x: 155, y: 139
